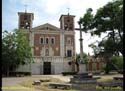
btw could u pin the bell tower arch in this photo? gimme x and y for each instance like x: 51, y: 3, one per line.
x: 25, y: 20
x: 67, y: 22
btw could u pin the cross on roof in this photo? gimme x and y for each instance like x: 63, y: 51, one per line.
x: 68, y: 10
x: 25, y: 7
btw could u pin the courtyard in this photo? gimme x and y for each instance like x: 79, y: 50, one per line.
x: 25, y: 83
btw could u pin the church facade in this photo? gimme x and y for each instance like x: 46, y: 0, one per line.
x: 53, y: 47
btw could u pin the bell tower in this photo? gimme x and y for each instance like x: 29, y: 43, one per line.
x: 67, y: 22
x: 25, y: 20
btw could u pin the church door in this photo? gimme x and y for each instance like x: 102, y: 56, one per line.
x: 47, y: 68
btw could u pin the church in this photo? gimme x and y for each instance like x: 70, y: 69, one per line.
x: 53, y: 48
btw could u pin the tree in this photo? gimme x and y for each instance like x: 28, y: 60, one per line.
x: 108, y: 19
x: 116, y: 63
x: 15, y: 50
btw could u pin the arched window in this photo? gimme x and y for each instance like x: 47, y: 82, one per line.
x: 47, y: 40
x: 41, y: 40
x: 65, y: 26
x: 52, y: 40
x: 71, y: 27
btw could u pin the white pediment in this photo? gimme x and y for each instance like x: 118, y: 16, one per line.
x: 45, y: 27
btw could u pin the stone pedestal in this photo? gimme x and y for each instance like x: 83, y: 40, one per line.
x: 82, y: 68
x: 83, y: 78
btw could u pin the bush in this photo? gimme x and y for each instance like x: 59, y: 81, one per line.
x: 120, y: 71
x: 19, y: 73
x: 115, y: 63
x: 68, y: 73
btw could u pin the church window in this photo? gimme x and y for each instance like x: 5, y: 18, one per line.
x: 52, y: 40
x: 47, y: 40
x: 71, y: 27
x: 69, y: 53
x: 47, y: 28
x: 68, y: 20
x: 41, y: 40
x: 27, y: 25
x: 65, y: 26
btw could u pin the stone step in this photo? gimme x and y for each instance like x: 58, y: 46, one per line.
x: 82, y: 76
x: 110, y: 84
x: 60, y: 85
x: 94, y: 78
x: 86, y: 73
x: 36, y: 82
x: 83, y: 81
x: 44, y: 80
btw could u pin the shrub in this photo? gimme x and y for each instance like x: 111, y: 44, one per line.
x: 19, y: 73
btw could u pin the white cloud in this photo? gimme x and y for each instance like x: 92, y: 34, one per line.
x: 54, y: 6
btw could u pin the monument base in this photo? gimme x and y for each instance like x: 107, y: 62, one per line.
x: 82, y: 68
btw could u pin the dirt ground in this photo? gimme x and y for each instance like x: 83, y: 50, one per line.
x: 21, y: 83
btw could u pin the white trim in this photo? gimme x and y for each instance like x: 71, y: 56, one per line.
x: 47, y: 32
x: 62, y: 22
x: 50, y: 32
x: 46, y: 25
x: 32, y: 43
x: 74, y: 49
x: 62, y: 44
x: 18, y: 20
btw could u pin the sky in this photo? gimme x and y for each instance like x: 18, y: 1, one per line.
x: 49, y: 11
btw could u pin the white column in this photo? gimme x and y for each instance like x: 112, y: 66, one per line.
x: 32, y: 42
x: 74, y: 45
x: 62, y: 44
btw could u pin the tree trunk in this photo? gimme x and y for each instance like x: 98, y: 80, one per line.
x: 119, y: 34
x: 107, y: 67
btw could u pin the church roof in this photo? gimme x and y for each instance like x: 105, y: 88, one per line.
x: 46, y: 26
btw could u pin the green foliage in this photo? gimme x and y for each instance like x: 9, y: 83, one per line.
x: 108, y: 18
x: 86, y: 21
x: 118, y: 62
x: 68, y: 73
x: 115, y: 63
x: 15, y: 50
x: 85, y: 57
x: 19, y: 73
x: 95, y: 48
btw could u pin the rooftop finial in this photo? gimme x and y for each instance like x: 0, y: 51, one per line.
x: 68, y: 10
x: 25, y: 8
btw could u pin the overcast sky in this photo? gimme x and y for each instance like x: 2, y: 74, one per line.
x: 49, y: 11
